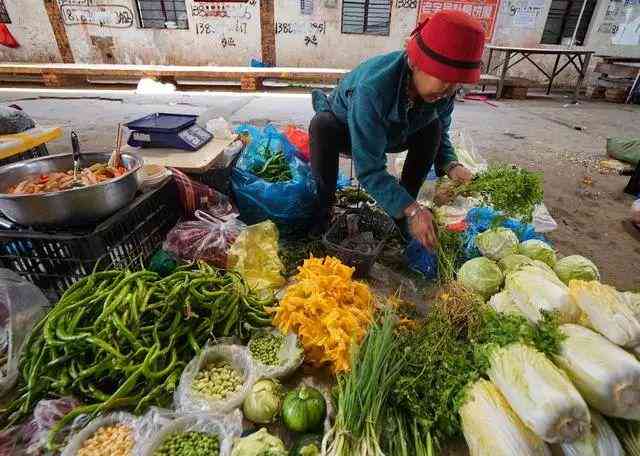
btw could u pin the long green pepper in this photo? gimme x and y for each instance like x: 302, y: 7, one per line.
x: 121, y: 339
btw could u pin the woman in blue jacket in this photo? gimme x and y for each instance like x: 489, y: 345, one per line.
x: 394, y: 102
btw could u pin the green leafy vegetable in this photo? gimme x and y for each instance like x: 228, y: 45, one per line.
x: 509, y: 189
x: 450, y: 252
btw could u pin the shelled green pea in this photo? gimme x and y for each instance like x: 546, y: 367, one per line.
x: 266, y: 348
x: 190, y: 444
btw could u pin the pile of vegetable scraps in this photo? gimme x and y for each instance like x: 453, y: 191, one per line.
x: 328, y: 311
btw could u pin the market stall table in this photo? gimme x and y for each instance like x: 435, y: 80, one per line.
x: 190, y: 162
x: 523, y: 53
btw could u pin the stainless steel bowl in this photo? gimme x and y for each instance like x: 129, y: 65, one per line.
x: 73, y: 207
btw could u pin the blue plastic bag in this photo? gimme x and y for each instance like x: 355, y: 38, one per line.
x: 421, y: 260
x: 480, y: 219
x: 290, y: 205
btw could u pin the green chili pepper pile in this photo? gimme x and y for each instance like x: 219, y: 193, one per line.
x: 121, y: 339
x: 190, y: 444
x: 275, y: 168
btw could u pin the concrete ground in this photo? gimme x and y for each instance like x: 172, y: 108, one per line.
x: 564, y: 141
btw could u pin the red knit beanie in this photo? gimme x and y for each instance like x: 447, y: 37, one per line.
x: 449, y: 47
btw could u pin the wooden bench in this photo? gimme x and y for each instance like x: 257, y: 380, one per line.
x: 62, y: 75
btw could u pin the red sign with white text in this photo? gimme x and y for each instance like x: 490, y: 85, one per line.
x: 483, y: 10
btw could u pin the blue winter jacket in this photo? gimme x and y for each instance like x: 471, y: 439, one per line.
x: 372, y: 101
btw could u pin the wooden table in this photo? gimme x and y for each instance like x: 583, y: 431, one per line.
x: 522, y: 53
x: 190, y: 162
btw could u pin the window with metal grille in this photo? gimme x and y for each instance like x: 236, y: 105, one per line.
x: 170, y: 14
x: 563, y: 19
x: 4, y: 15
x: 306, y: 6
x: 367, y: 17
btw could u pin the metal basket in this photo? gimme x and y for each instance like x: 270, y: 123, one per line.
x: 380, y: 224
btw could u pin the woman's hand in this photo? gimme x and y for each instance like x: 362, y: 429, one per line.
x: 421, y: 225
x: 460, y: 174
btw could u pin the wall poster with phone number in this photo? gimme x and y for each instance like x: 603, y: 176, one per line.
x: 483, y: 10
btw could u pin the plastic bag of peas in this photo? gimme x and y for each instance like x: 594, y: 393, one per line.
x: 198, y: 434
x: 215, y: 381
x: 274, y: 354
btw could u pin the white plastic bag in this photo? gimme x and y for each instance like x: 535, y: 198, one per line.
x: 188, y: 400
x: 22, y: 304
x: 542, y: 220
x: 290, y: 355
x: 540, y: 393
x: 456, y: 211
x: 467, y: 153
x: 112, y: 419
x: 220, y: 128
x: 226, y: 427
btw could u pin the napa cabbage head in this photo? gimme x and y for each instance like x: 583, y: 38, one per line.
x: 492, y: 428
x: 601, y: 440
x: 535, y: 290
x: 609, y: 312
x: 539, y: 392
x: 607, y: 376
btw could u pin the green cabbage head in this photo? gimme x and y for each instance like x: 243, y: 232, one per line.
x: 576, y: 267
x: 482, y: 276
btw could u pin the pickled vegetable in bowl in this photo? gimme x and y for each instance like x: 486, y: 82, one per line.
x: 57, y: 181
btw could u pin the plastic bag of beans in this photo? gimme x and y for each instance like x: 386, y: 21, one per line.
x: 205, y: 433
x: 215, y: 381
x: 274, y: 354
x: 115, y: 434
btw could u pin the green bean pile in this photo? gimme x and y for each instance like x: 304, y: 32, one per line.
x: 190, y: 444
x: 275, y: 168
x: 120, y: 339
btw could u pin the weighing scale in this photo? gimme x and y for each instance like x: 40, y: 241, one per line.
x: 176, y: 131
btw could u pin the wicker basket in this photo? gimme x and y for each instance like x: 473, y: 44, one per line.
x: 369, y: 220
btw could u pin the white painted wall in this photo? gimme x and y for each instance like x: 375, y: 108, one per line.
x: 30, y: 26
x: 296, y: 34
x: 210, y: 40
x: 616, y: 29
x: 232, y: 36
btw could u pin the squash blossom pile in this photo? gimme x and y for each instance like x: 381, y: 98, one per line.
x: 327, y: 310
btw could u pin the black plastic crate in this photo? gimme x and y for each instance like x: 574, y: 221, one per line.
x: 38, y: 151
x: 54, y: 260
